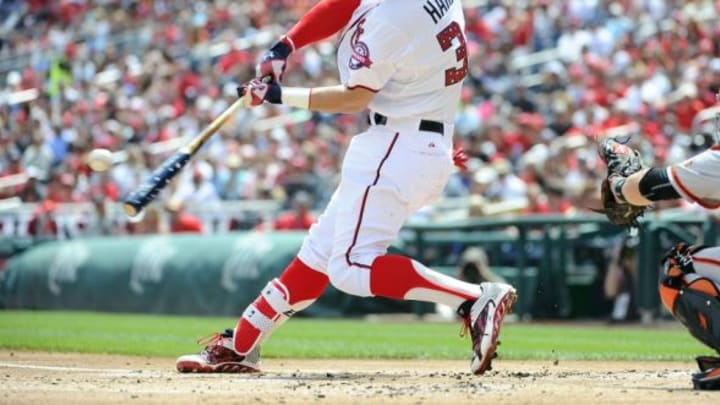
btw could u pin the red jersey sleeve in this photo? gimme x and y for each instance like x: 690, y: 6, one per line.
x: 323, y: 20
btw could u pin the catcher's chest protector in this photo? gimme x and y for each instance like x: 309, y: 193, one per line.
x: 696, y: 305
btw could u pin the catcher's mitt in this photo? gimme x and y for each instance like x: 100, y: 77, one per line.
x: 622, y: 161
x: 622, y: 214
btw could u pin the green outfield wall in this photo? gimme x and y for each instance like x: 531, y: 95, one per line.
x: 209, y: 274
x: 557, y: 264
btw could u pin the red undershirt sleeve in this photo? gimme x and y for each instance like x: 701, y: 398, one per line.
x: 323, y: 20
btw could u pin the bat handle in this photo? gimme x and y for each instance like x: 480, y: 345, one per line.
x: 140, y: 198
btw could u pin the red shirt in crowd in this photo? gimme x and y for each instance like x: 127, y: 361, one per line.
x: 685, y: 111
x: 293, y: 221
x: 186, y: 223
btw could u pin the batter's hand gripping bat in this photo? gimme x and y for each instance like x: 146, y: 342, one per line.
x: 138, y: 199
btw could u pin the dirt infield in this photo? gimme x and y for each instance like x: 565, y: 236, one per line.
x: 27, y: 377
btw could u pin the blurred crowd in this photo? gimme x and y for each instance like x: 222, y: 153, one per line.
x: 132, y: 76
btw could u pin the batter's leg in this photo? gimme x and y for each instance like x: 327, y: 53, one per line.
x: 302, y: 282
x: 365, y: 227
x: 385, y: 177
x: 238, y: 351
x: 360, y: 266
x: 384, y: 189
x: 296, y: 289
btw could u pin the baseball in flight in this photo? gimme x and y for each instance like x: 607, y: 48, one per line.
x: 100, y: 160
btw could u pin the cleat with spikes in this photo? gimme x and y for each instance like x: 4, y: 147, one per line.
x: 219, y: 357
x: 484, y: 322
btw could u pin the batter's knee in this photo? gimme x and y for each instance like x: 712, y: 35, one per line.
x: 314, y: 256
x: 349, y: 278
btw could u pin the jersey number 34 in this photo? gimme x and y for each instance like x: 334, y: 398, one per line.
x: 445, y: 39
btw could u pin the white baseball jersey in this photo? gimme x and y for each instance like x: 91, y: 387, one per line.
x: 698, y: 178
x: 412, y: 52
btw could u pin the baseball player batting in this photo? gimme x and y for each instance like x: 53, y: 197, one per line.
x: 404, y: 61
x: 690, y: 286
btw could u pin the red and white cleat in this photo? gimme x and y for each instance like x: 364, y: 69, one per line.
x: 219, y: 357
x: 485, y: 320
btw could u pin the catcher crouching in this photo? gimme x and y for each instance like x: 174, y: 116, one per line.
x: 690, y: 287
x: 691, y: 292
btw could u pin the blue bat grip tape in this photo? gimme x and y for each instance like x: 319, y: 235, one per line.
x: 140, y: 198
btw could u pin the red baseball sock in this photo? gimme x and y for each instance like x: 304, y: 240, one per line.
x: 402, y: 278
x: 296, y: 288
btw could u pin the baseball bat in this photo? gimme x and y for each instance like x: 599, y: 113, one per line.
x: 160, y: 177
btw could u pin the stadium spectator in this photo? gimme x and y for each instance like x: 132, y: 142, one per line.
x: 474, y: 267
x: 299, y: 217
x: 620, y: 281
x: 181, y: 221
x: 38, y: 154
x: 232, y: 180
x: 43, y: 223
x: 129, y: 76
x: 31, y: 191
x: 149, y: 223
x: 199, y: 189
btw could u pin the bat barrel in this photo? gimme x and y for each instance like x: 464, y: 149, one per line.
x: 140, y: 198
x: 137, y: 200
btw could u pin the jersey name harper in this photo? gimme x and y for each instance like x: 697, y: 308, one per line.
x: 416, y: 64
x: 436, y: 9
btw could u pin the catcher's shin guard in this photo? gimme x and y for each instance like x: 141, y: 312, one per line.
x: 695, y: 302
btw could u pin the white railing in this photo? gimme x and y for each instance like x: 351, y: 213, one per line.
x: 523, y: 61
x: 74, y: 219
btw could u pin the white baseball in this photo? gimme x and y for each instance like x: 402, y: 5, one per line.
x: 100, y: 160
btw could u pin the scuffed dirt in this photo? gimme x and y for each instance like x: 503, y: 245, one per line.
x: 30, y: 377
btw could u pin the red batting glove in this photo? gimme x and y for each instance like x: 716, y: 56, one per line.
x: 460, y: 158
x: 260, y: 92
x: 274, y: 61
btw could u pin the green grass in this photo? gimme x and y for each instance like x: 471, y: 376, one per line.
x: 169, y: 336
